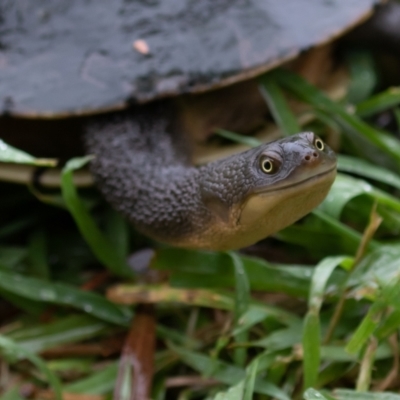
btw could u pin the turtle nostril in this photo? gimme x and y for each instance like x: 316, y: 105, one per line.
x: 309, y: 156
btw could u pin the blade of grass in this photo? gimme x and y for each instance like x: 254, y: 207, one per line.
x: 193, y: 269
x: 311, y: 330
x: 363, y: 75
x: 9, y: 154
x: 278, y: 106
x: 99, y: 382
x: 242, y: 302
x: 63, y: 294
x: 61, y: 331
x: 13, y: 352
x: 100, y: 245
x: 237, y: 138
x: 38, y: 255
x: 250, y: 380
x: 379, y: 102
x: 242, y: 286
x: 353, y: 123
x: 346, y: 394
x: 312, y: 394
x: 365, y: 169
x: 225, y: 372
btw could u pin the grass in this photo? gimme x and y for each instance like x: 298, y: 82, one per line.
x: 228, y: 325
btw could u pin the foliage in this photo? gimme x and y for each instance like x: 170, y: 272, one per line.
x: 334, y: 335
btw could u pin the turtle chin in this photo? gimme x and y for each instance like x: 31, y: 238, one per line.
x: 266, y: 213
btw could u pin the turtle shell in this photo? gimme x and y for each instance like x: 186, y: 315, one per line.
x: 71, y: 57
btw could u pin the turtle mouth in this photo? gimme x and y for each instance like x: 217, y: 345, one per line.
x: 310, y: 179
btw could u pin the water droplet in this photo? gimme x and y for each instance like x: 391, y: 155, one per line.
x: 47, y: 294
x: 88, y: 308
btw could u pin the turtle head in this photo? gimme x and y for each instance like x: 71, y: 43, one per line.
x: 262, y: 190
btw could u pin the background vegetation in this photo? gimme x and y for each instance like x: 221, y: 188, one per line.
x: 320, y: 320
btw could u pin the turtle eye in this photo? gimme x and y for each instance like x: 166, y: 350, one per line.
x: 267, y: 165
x: 319, y: 144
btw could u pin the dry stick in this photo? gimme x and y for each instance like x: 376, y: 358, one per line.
x: 190, y: 380
x: 374, y: 222
x: 394, y: 371
x: 49, y: 395
x: 137, y: 358
x: 364, y: 377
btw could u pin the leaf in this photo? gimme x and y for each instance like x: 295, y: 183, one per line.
x: 12, y: 394
x: 233, y: 393
x: 242, y: 286
x: 365, y: 169
x: 351, y: 124
x: 343, y: 190
x: 192, y: 269
x: 250, y: 380
x: 237, y: 138
x: 13, y: 351
x: 224, y: 372
x: 9, y: 154
x: 311, y: 349
x: 363, y: 74
x: 366, y: 328
x: 320, y: 278
x: 100, y: 245
x: 63, y: 294
x: 281, y: 339
x: 66, y: 330
x: 346, y: 394
x: 312, y: 394
x: 378, y: 268
x: 278, y: 106
x: 100, y: 382
x: 379, y: 102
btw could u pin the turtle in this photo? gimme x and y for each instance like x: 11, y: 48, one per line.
x: 127, y: 65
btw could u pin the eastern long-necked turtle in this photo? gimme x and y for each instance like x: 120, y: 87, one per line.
x: 73, y: 57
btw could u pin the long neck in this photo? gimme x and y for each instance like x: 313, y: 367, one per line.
x: 145, y: 173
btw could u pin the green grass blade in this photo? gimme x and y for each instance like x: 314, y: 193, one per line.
x: 225, y: 372
x: 368, y: 325
x: 237, y: 138
x: 66, y: 295
x: 38, y: 255
x: 233, y: 393
x: 346, y: 394
x: 365, y: 169
x: 312, y: 394
x: 320, y: 279
x: 65, y: 330
x: 9, y: 154
x: 242, y: 286
x: 194, y: 269
x: 12, y: 394
x: 353, y: 123
x: 363, y: 75
x: 100, y: 382
x: 311, y: 349
x: 100, y: 245
x: 278, y: 106
x: 13, y: 351
x: 379, y: 102
x: 250, y: 380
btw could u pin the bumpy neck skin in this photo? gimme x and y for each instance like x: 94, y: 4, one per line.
x: 145, y: 173
x: 142, y: 167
